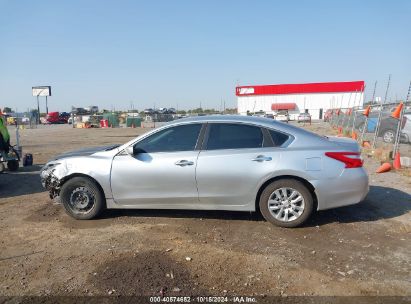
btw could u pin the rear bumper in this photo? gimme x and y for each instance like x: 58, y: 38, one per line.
x: 351, y: 187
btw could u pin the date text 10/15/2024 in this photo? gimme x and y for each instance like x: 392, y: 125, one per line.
x: 203, y: 299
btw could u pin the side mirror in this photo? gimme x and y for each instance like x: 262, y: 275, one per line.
x: 130, y: 150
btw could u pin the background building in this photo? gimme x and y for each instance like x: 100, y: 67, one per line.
x: 314, y: 98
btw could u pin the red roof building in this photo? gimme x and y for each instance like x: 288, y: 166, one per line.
x: 314, y: 98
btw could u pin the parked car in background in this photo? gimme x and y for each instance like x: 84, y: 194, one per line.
x: 79, y: 111
x: 221, y: 162
x: 388, y: 128
x: 259, y: 113
x: 149, y: 111
x: 304, y: 117
x: 406, y: 130
x: 282, y: 116
x: 271, y: 116
x: 56, y: 118
x: 92, y: 109
x: 388, y: 125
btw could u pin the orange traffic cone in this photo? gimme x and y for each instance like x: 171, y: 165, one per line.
x: 354, y: 135
x: 385, y: 167
x: 367, y: 111
x: 397, y: 161
x: 397, y: 111
x: 366, y: 144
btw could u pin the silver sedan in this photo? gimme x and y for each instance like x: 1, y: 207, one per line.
x: 213, y: 163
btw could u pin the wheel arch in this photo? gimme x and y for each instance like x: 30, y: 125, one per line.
x: 68, y: 177
x: 300, y: 179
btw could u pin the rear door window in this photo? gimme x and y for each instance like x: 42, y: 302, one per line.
x: 234, y: 136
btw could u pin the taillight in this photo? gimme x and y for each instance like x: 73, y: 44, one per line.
x: 350, y: 159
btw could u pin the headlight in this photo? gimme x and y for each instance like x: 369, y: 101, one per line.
x: 49, y: 166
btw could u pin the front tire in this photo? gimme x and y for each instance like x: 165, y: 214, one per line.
x: 286, y: 203
x: 82, y: 198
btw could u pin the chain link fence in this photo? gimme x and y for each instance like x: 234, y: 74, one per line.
x: 382, y: 129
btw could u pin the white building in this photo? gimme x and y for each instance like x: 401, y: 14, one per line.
x: 314, y: 98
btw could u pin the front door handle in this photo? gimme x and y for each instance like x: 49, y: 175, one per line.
x: 183, y: 163
x: 261, y: 158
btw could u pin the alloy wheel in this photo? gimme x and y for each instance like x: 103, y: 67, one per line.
x: 286, y: 204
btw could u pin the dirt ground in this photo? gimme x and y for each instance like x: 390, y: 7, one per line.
x: 357, y: 250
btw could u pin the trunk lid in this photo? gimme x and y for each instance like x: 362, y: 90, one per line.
x: 347, y: 144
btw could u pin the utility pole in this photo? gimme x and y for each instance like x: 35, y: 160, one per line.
x: 47, y: 107
x: 377, y: 128
x: 38, y: 109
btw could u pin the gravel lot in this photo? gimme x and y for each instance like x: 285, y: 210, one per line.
x: 357, y: 250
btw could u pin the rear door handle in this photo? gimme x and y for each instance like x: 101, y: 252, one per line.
x: 261, y: 158
x: 183, y: 163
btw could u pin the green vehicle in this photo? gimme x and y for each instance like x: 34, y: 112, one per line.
x: 8, y: 154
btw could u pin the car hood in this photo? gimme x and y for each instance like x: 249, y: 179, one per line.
x: 85, y: 151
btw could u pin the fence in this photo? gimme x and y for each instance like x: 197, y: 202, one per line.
x: 384, y: 129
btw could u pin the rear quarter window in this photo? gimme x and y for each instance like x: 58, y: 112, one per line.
x: 278, y: 138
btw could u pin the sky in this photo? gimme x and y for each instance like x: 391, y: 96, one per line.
x: 187, y: 53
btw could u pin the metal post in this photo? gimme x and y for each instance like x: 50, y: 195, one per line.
x: 398, y: 133
x: 343, y: 120
x: 47, y: 107
x: 72, y: 117
x: 377, y: 127
x: 350, y: 110
x: 17, y: 135
x: 366, y: 118
x: 339, y: 110
x: 353, y: 121
x: 38, y: 110
x: 331, y: 107
x: 355, y: 112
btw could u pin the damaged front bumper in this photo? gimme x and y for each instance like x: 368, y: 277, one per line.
x: 50, y: 182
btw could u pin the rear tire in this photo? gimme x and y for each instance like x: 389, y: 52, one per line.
x: 388, y: 136
x: 82, y: 198
x: 286, y: 203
